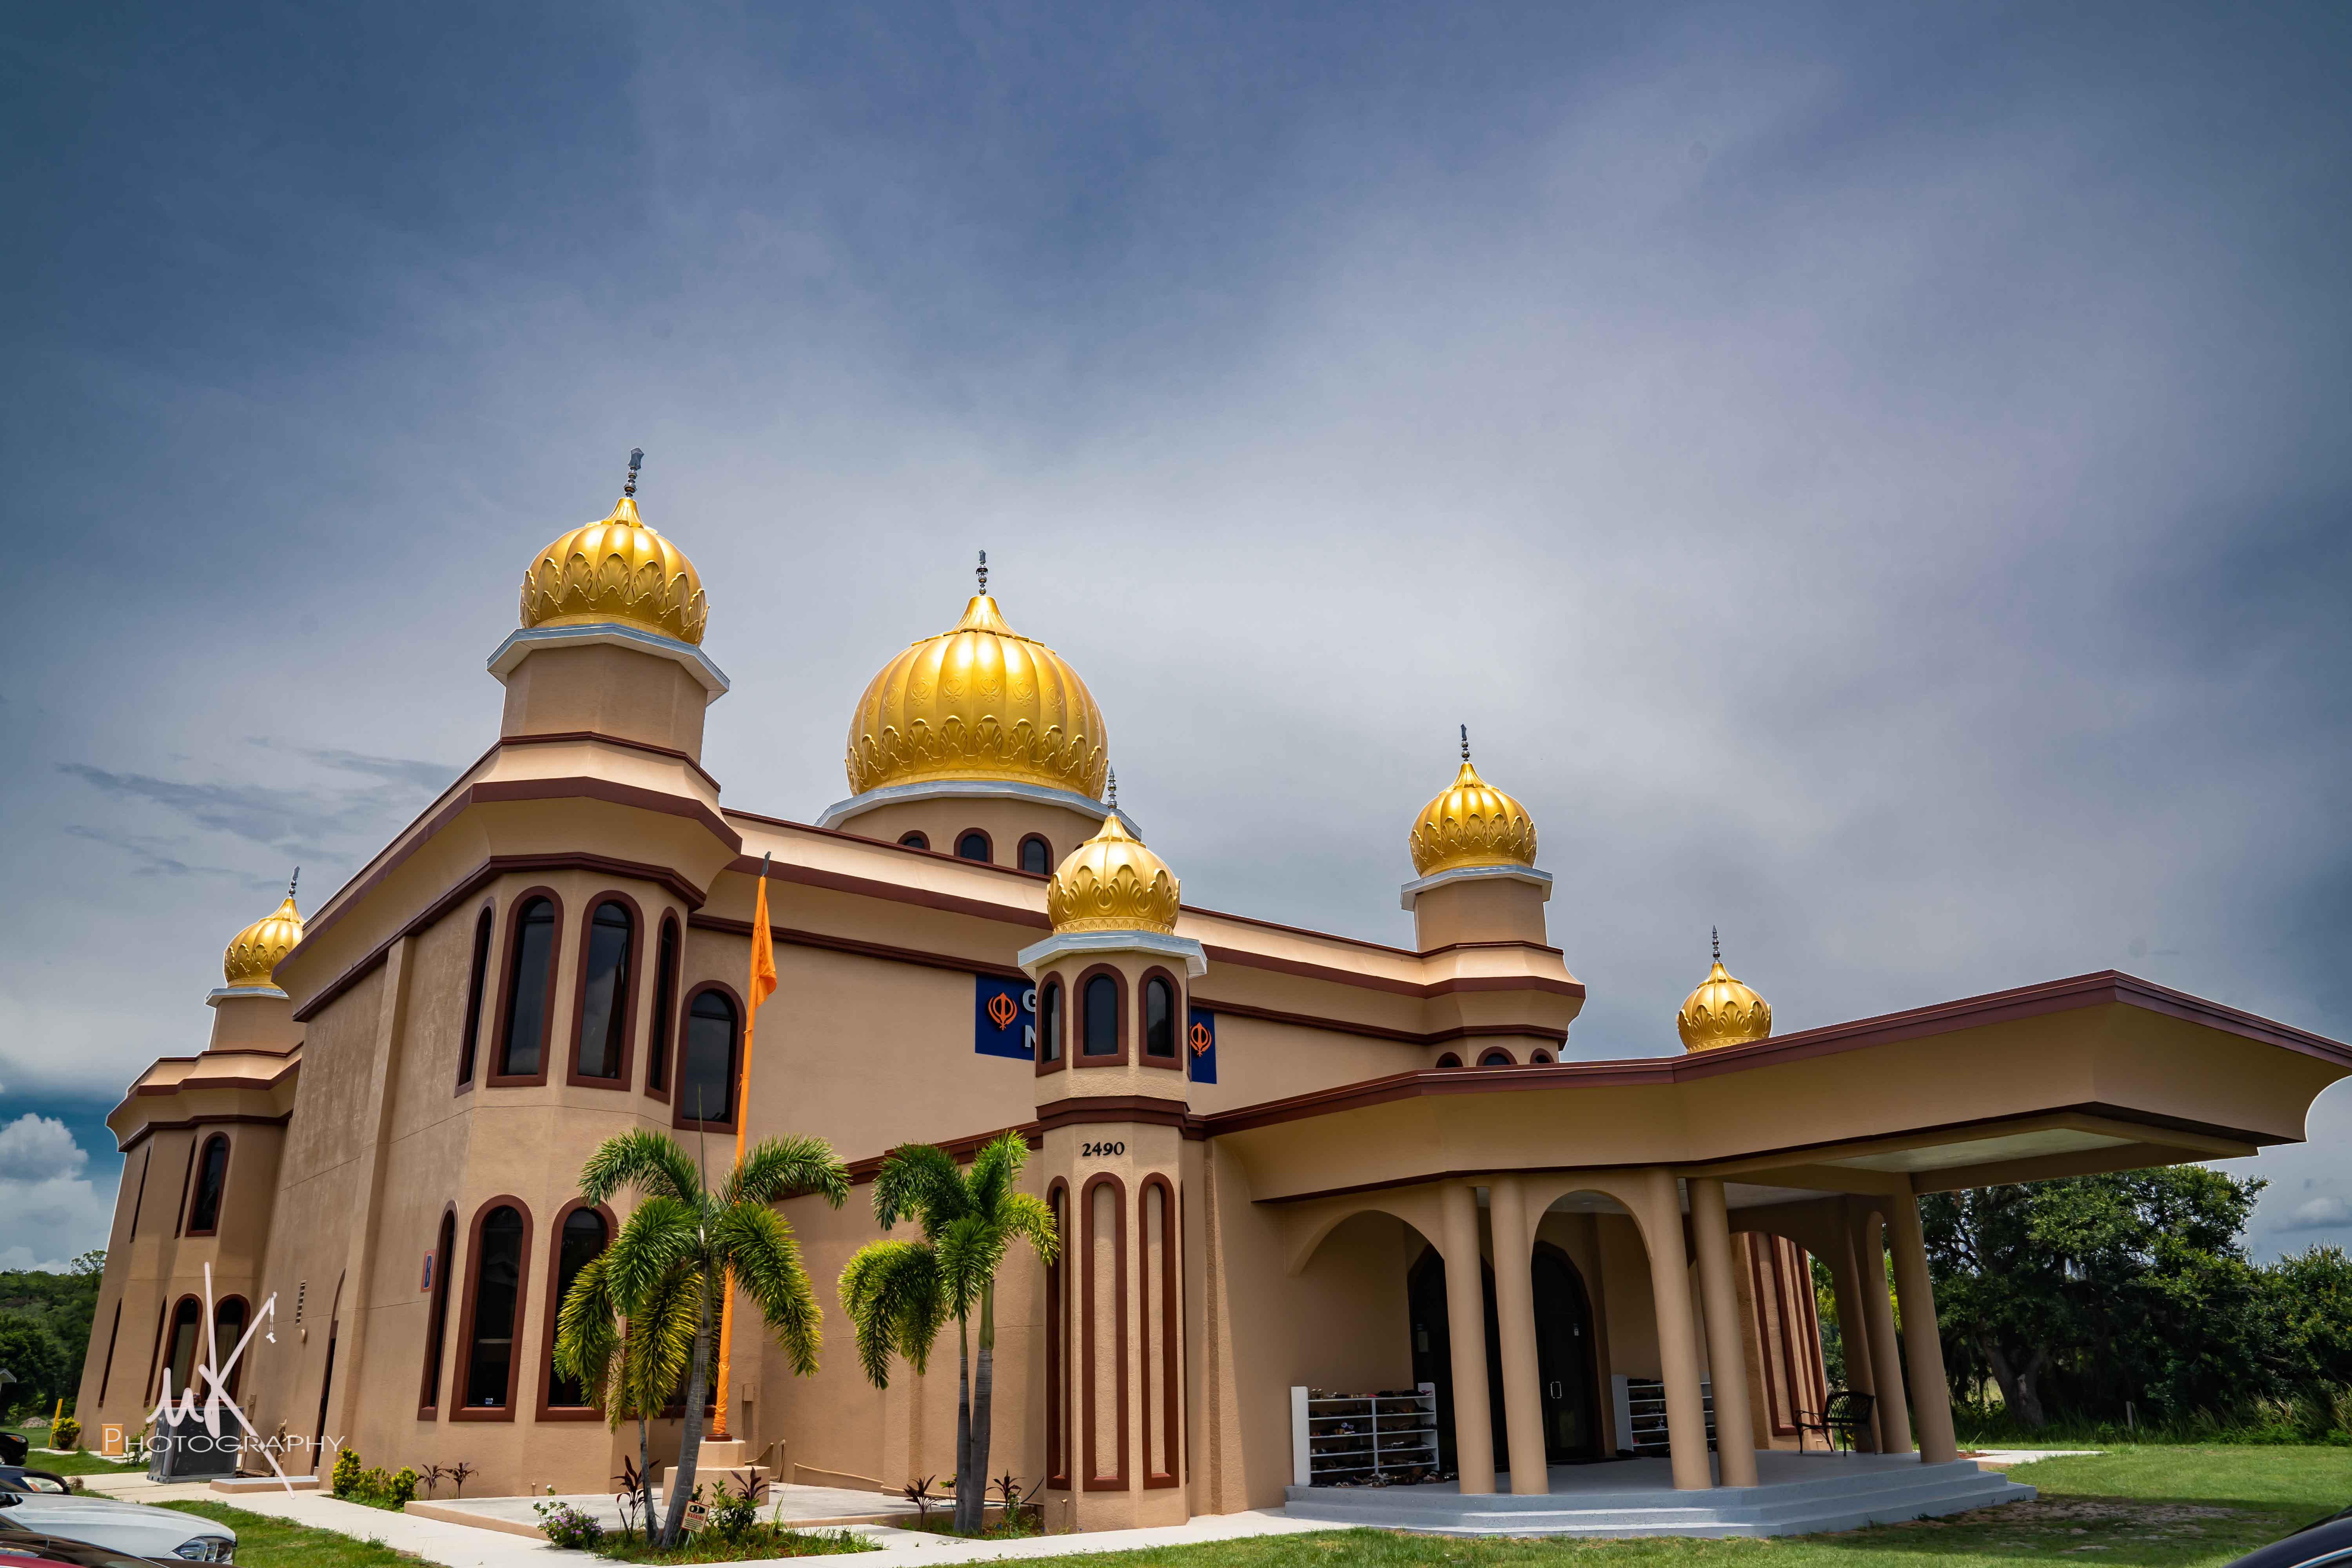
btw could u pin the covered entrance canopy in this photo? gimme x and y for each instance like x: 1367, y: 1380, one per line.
x: 1825, y: 1137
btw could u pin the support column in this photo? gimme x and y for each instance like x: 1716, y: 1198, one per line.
x: 1515, y: 1319
x: 1661, y: 1230
x: 1931, y: 1395
x: 1466, y: 1333
x: 1885, y: 1360
x: 1727, y: 1353
x: 1854, y: 1329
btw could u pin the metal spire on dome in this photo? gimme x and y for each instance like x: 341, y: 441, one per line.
x: 983, y: 571
x: 636, y: 461
x: 1715, y: 935
x: 1112, y: 800
x: 1466, y: 742
x: 292, y: 880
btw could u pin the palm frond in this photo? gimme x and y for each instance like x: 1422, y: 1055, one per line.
x: 660, y: 1345
x: 918, y: 1181
x: 780, y: 1168
x: 586, y: 1338
x: 766, y: 1258
x: 641, y: 1158
x: 969, y: 1250
x: 654, y: 1241
x: 995, y: 1170
x: 1026, y: 1217
x: 896, y: 1300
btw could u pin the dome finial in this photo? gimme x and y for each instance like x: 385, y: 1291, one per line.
x: 1466, y: 742
x: 1113, y: 801
x: 983, y: 571
x: 636, y: 461
x: 293, y: 882
x: 1715, y: 936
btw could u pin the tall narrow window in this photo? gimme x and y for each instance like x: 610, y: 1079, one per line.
x: 437, y: 1300
x: 212, y: 1180
x: 604, y: 993
x: 481, y: 974
x: 1037, y: 855
x: 530, y: 985
x: 705, y: 1072
x: 228, y: 1327
x: 187, y: 1328
x: 972, y: 846
x: 1102, y: 1017
x: 1049, y: 1022
x: 112, y: 1334
x: 581, y: 1238
x: 498, y: 1282
x: 665, y: 1003
x: 1159, y: 1018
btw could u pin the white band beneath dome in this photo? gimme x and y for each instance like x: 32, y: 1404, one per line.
x: 221, y: 994
x: 520, y: 644
x: 841, y: 811
x: 1413, y: 891
x: 1061, y: 943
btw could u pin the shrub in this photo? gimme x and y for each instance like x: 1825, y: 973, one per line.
x: 568, y: 1527
x: 345, y: 1477
x: 65, y: 1433
x: 403, y: 1488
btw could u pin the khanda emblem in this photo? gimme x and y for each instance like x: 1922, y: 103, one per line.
x: 1201, y: 1039
x: 1003, y: 1010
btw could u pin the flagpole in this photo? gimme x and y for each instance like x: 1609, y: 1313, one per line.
x: 763, y: 967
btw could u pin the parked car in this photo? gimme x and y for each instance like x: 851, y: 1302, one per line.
x: 18, y: 1479
x: 2323, y: 1540
x: 130, y: 1528
x: 31, y: 1549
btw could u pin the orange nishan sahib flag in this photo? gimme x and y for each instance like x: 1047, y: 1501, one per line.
x: 764, y: 947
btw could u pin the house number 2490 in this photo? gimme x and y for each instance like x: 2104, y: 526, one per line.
x: 1089, y: 1150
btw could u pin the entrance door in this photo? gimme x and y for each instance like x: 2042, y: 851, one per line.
x: 1564, y: 1358
x: 1433, y: 1353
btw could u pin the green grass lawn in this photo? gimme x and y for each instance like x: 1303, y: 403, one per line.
x: 266, y: 1542
x: 81, y: 1462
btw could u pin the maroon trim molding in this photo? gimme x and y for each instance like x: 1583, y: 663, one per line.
x: 961, y: 1150
x: 566, y: 736
x: 1087, y: 1109
x: 1091, y: 1356
x: 501, y: 1045
x: 1079, y: 1058
x: 894, y: 892
x: 459, y: 1409
x: 787, y: 936
x: 151, y: 1128
x: 547, y: 1412
x: 1170, y: 1402
x: 1378, y: 1031
x: 1057, y: 1337
x: 678, y: 1117
x: 626, y: 1002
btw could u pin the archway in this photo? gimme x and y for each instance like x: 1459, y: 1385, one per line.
x: 1564, y: 1352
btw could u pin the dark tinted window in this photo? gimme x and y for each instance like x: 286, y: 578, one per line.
x: 1495, y: 1059
x: 1159, y: 1018
x: 497, y: 1274
x: 187, y: 1327
x: 1102, y: 1017
x: 1036, y: 856
x: 665, y: 999
x: 228, y: 1327
x: 211, y: 1177
x: 706, y: 1077
x: 1449, y: 1060
x: 604, y: 1005
x: 474, y: 998
x: 529, y: 977
x: 434, y: 1330
x: 972, y: 847
x: 1049, y: 1023
x: 583, y: 1239
x: 915, y: 841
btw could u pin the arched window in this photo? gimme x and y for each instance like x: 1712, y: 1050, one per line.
x: 212, y: 1180
x: 1540, y: 1055
x: 973, y: 846
x: 705, y: 1072
x: 1102, y: 1017
x: 228, y: 1327
x: 494, y: 1301
x: 664, y: 1002
x: 474, y: 985
x: 1159, y: 1018
x: 1497, y: 1058
x: 1049, y: 1022
x: 605, y: 990
x: 1449, y: 1060
x: 915, y: 840
x: 187, y: 1329
x: 438, y: 1325
x: 531, y: 991
x: 1037, y: 855
x: 581, y: 1240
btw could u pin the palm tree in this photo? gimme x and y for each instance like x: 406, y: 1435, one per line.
x: 683, y: 1242
x: 898, y: 1294
x: 630, y: 1366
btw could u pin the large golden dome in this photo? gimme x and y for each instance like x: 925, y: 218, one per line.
x: 1111, y: 882
x: 1471, y: 823
x: 256, y: 952
x: 977, y: 701
x: 615, y: 569
x: 1722, y: 1012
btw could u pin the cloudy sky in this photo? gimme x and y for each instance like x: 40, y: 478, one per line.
x: 1875, y: 478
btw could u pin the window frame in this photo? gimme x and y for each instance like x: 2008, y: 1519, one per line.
x: 224, y: 1348
x: 987, y: 842
x: 197, y: 1184
x: 1486, y: 1058
x: 459, y: 1409
x: 477, y: 985
x: 914, y: 838
x: 679, y: 1120
x: 166, y: 1347
x: 1042, y: 842
x: 669, y: 968
x: 1447, y: 1061
x: 547, y: 1411
x: 509, y: 953
x: 1177, y: 1061
x: 1061, y: 1058
x: 1125, y: 1055
x: 436, y: 1305
x: 633, y: 973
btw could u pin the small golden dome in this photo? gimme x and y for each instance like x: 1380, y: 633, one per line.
x: 1111, y: 882
x: 1722, y: 1012
x: 257, y: 951
x: 1472, y: 823
x: 977, y: 701
x: 615, y: 569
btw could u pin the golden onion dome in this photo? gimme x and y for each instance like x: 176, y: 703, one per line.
x: 977, y: 701
x: 1111, y: 882
x: 615, y: 569
x: 1722, y: 1012
x: 1471, y: 823
x: 256, y: 952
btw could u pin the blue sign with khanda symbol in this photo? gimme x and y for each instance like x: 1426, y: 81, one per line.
x: 1201, y: 1044
x: 1005, y: 1018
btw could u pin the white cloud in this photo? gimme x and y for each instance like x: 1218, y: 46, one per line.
x: 50, y: 1210
x: 36, y: 1148
x: 2318, y: 1214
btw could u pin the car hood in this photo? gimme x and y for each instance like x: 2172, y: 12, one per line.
x: 132, y: 1527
